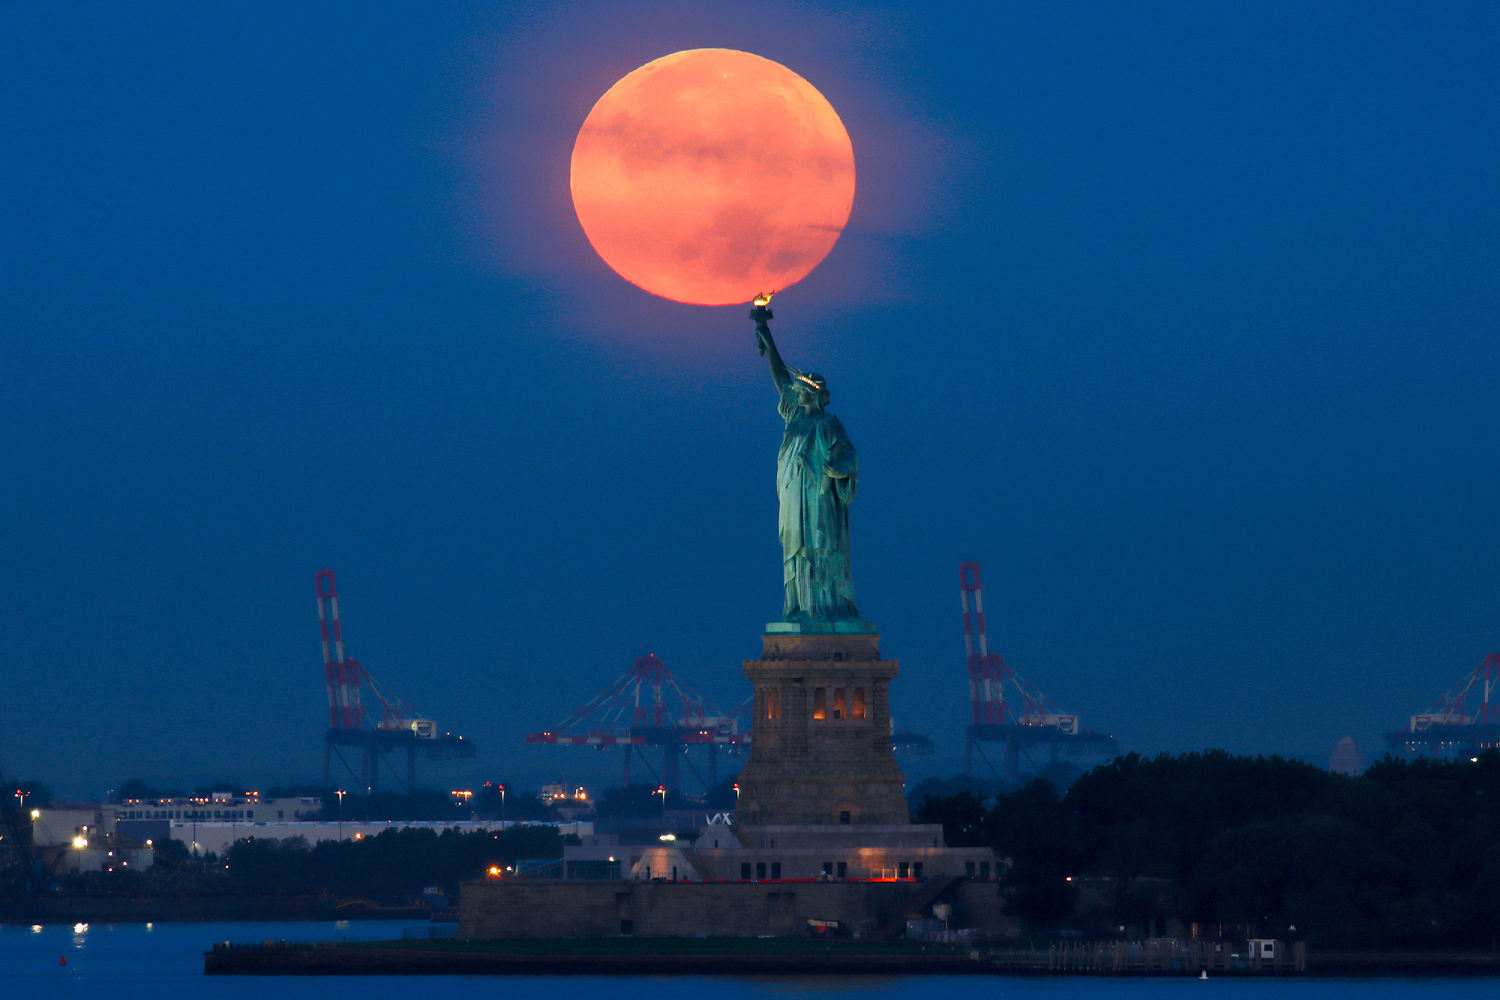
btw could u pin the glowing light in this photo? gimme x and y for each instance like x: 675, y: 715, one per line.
x: 711, y: 172
x: 80, y: 842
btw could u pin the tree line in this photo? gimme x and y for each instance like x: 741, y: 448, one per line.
x: 391, y: 868
x: 1406, y: 854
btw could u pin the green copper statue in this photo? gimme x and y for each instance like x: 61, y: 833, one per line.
x: 816, y: 474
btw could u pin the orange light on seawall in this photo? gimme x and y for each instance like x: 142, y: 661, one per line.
x: 710, y: 174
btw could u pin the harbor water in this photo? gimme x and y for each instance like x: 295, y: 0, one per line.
x: 151, y: 961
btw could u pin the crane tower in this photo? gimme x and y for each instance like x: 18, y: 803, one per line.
x: 350, y: 726
x: 1464, y: 721
x: 635, y: 712
x: 1034, y: 720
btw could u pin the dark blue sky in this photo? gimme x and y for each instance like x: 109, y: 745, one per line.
x: 1180, y: 319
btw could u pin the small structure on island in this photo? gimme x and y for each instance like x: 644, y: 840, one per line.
x: 822, y: 837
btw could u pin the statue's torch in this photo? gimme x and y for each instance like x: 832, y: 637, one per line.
x: 762, y: 315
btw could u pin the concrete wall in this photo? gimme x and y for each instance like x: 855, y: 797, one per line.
x: 843, y: 861
x: 524, y: 909
x: 58, y: 827
x: 981, y: 905
x: 535, y: 909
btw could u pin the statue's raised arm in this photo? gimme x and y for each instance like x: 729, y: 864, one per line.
x: 762, y: 315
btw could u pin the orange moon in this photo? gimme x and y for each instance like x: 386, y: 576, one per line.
x: 709, y: 175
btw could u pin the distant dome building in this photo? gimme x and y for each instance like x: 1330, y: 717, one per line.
x: 1345, y: 758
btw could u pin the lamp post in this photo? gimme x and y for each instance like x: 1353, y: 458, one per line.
x: 502, y: 803
x: 662, y: 791
x: 21, y: 794
x: 341, y: 793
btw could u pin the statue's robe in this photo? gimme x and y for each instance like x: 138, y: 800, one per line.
x: 814, y: 522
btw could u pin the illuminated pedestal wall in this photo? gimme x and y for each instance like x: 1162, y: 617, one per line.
x: 820, y: 752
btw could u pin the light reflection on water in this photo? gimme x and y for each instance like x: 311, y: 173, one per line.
x: 158, y: 961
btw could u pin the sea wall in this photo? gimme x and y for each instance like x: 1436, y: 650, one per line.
x: 521, y: 909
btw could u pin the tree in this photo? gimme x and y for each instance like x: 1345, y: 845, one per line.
x: 135, y: 788
x: 638, y: 800
x: 1039, y: 833
x: 169, y: 853
x: 963, y: 816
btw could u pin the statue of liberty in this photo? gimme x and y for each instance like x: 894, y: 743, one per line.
x: 816, y: 475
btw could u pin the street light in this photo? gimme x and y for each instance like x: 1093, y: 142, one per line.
x: 341, y: 793
x: 662, y: 791
x: 502, y: 802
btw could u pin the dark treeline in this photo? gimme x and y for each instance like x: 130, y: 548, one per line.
x: 1406, y: 854
x: 391, y: 868
x: 395, y: 865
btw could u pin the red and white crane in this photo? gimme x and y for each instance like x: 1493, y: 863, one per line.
x: 647, y: 706
x: 1465, y: 720
x: 399, y: 727
x: 1033, y: 719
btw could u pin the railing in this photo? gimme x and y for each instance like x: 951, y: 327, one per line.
x: 1155, y: 955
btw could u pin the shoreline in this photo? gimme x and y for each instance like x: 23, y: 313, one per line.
x: 755, y: 956
x: 198, y: 909
x: 385, y: 960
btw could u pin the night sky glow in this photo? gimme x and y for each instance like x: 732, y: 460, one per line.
x: 1181, y: 320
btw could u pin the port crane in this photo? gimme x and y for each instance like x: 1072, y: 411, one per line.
x: 1032, y: 720
x: 1464, y: 721
x: 398, y: 730
x: 646, y: 706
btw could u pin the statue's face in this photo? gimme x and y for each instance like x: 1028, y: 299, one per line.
x: 809, y: 397
x: 812, y: 391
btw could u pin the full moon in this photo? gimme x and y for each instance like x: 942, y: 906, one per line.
x: 710, y: 175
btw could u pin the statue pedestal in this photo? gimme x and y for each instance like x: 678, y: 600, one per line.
x: 820, y: 752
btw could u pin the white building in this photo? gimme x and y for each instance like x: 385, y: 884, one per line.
x: 210, y: 825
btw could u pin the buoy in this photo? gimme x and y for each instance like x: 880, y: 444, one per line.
x: 62, y: 959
